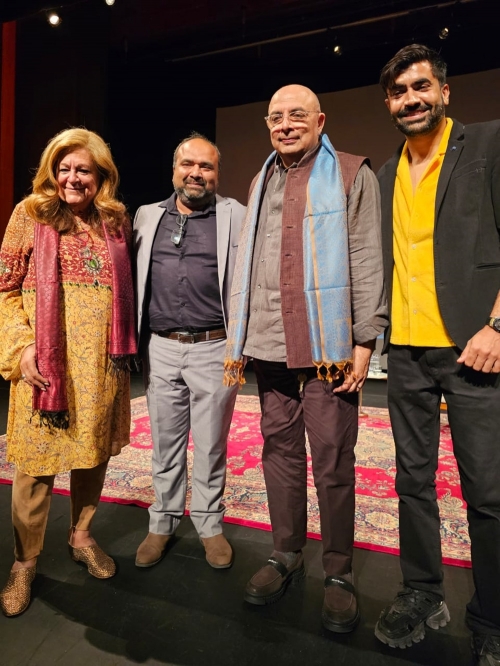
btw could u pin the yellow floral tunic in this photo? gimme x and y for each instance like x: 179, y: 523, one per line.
x: 98, y: 400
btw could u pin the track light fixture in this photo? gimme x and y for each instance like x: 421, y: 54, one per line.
x: 337, y: 50
x: 444, y: 33
x: 54, y: 19
x: 109, y: 2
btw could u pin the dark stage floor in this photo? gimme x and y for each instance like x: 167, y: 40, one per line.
x: 183, y: 613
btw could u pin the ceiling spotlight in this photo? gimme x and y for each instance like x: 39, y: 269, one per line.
x: 109, y: 2
x: 444, y: 33
x: 54, y: 19
x: 337, y: 50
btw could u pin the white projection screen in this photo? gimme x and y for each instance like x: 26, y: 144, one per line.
x: 357, y: 121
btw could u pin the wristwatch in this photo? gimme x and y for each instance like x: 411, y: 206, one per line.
x: 494, y: 323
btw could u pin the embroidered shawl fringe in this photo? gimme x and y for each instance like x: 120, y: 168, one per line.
x: 119, y: 364
x: 330, y: 372
x: 233, y: 373
x: 59, y: 420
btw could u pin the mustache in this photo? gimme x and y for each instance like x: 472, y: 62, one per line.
x: 195, y: 181
x: 406, y: 112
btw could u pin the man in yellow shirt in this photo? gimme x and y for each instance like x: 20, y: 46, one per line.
x: 441, y: 242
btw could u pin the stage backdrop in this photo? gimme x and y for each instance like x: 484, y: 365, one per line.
x: 357, y: 122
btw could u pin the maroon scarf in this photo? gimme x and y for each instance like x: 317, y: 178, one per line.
x: 52, y: 404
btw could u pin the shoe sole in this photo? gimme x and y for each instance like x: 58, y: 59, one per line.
x: 85, y: 566
x: 147, y: 565
x: 436, y: 620
x: 293, y: 579
x: 221, y: 566
x: 338, y: 628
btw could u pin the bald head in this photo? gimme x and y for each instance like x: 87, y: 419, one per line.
x: 298, y: 93
x: 295, y: 122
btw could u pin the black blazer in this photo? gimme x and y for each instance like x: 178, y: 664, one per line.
x: 467, y: 228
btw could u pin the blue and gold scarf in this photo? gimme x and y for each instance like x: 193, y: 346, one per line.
x: 327, y: 288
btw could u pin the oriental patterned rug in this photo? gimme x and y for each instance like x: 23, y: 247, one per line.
x: 129, y: 480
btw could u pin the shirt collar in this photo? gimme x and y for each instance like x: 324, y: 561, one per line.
x: 443, y: 143
x: 170, y: 205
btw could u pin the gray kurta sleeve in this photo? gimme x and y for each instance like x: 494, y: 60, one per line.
x: 369, y: 304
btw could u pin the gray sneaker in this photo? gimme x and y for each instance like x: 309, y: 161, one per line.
x: 486, y: 649
x: 403, y: 622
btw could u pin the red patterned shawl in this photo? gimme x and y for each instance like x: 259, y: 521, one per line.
x: 52, y: 404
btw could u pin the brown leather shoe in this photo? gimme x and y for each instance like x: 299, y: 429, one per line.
x: 152, y: 550
x: 219, y: 553
x: 270, y: 582
x: 340, y: 607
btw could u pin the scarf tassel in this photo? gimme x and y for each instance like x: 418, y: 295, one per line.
x: 59, y: 420
x: 330, y: 372
x: 233, y: 373
x: 119, y: 364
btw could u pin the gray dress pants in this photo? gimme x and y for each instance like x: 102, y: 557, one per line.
x: 185, y: 392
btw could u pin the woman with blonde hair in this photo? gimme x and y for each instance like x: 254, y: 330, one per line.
x: 67, y: 330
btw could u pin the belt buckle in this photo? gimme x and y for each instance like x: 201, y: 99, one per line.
x: 186, y: 338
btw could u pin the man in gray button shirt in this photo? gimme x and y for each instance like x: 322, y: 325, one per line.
x: 277, y: 322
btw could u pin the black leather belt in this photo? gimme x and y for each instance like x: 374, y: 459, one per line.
x: 191, y: 338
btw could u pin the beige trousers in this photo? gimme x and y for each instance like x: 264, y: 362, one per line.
x: 31, y: 497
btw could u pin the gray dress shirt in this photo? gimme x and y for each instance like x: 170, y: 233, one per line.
x: 265, y: 334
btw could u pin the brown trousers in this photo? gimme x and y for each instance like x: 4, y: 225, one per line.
x: 31, y: 497
x: 331, y: 421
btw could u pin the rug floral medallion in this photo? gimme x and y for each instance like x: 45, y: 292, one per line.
x: 129, y: 479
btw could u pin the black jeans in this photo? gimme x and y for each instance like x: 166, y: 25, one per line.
x: 417, y: 377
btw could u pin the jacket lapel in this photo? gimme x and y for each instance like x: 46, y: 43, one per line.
x: 223, y: 221
x: 387, y: 184
x: 455, y: 146
x: 144, y: 238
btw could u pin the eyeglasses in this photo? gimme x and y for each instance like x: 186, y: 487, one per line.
x: 294, y: 117
x: 177, y: 234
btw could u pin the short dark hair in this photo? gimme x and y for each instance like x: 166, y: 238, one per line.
x: 196, y: 135
x: 408, y: 56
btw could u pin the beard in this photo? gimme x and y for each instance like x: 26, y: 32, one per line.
x: 411, y: 127
x: 197, y: 199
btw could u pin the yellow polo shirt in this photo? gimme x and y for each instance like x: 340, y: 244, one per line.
x: 416, y: 319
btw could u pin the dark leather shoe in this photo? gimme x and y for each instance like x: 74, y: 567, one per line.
x: 152, y: 550
x: 270, y: 582
x: 340, y: 607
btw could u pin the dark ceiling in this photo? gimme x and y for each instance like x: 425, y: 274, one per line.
x: 144, y: 73
x: 11, y: 10
x: 176, y: 29
x: 246, y: 46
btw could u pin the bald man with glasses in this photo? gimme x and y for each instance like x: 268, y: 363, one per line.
x: 307, y: 305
